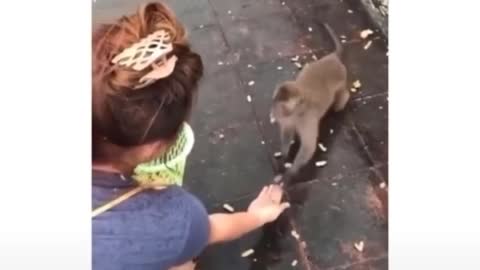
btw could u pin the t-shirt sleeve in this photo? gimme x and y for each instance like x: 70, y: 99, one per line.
x: 198, y: 233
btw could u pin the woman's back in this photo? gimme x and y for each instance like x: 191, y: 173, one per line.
x: 155, y: 229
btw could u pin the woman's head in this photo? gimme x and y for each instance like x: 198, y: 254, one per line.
x: 124, y: 117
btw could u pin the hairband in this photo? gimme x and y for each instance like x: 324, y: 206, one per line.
x: 150, y: 51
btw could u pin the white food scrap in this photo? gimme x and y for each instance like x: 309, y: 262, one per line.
x: 357, y: 84
x: 262, y: 142
x: 310, y: 29
x: 353, y: 90
x: 294, y: 263
x: 287, y: 165
x: 249, y: 66
x: 247, y: 253
x: 277, y: 154
x: 369, y: 43
x: 331, y: 131
x: 298, y: 65
x: 365, y: 33
x: 220, y: 63
x: 334, y: 184
x: 283, y: 3
x: 322, y: 147
x: 380, y: 107
x: 279, y: 68
x: 201, y: 26
x: 228, y: 207
x: 294, y: 59
x: 359, y: 246
x: 321, y: 163
x: 350, y: 11
x: 221, y: 136
x: 314, y: 57
x: 250, y: 83
x: 295, y: 234
x: 249, y: 98
x: 343, y: 36
x: 229, y: 12
x: 383, y: 185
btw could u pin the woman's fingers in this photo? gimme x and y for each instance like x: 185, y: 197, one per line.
x: 263, y: 192
x: 276, y: 193
x: 284, y: 206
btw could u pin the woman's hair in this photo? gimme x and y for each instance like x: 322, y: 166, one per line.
x: 125, y: 116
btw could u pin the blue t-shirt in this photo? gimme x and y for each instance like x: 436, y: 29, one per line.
x: 152, y: 230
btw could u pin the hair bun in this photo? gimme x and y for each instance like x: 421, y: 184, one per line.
x: 155, y: 16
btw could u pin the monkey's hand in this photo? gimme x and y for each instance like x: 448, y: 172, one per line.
x: 268, y: 206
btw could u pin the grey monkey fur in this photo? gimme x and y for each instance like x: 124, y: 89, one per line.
x: 299, y: 106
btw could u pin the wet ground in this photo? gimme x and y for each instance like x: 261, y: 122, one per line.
x: 334, y: 207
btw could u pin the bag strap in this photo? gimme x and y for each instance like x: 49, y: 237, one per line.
x: 109, y: 205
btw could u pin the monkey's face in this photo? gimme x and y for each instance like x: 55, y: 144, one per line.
x: 285, y: 99
x: 281, y: 112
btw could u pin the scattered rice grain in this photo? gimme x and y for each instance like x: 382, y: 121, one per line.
x: 365, y: 33
x: 247, y: 253
x: 359, y: 246
x: 228, y: 207
x: 369, y: 43
x: 295, y: 234
x: 322, y: 147
x: 357, y: 84
x: 321, y: 163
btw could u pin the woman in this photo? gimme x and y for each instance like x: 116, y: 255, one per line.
x: 141, y: 97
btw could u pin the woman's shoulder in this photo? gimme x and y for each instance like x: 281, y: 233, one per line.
x: 154, y: 225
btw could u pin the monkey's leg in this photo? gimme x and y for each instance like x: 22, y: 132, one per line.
x: 341, y: 100
x: 287, y: 134
x: 308, y: 133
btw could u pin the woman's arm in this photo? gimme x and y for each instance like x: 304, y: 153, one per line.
x: 226, y: 227
x: 264, y: 209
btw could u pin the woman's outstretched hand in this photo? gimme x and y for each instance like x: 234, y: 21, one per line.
x: 264, y: 209
x: 268, y: 204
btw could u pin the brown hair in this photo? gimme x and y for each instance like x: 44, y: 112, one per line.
x: 124, y: 116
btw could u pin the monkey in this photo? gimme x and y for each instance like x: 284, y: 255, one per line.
x: 298, y: 106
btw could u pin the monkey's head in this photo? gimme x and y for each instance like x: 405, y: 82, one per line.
x: 286, y: 99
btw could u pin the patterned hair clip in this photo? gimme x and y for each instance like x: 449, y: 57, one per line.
x: 150, y: 51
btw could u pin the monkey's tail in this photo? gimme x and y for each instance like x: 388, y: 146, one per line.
x: 333, y: 36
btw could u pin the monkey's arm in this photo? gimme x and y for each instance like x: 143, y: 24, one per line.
x: 307, y: 132
x: 286, y: 136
